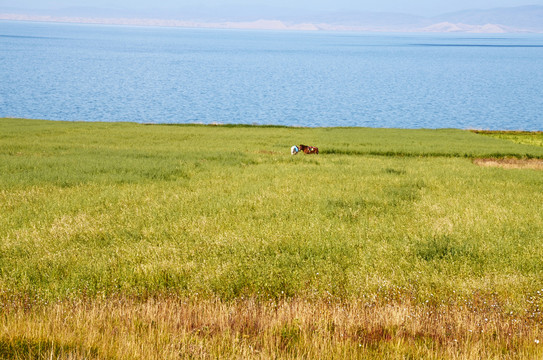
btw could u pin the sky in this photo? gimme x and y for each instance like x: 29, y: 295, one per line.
x: 415, y: 7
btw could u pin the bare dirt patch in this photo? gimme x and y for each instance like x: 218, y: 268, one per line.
x: 536, y: 164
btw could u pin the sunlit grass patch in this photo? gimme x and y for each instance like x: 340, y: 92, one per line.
x: 520, y: 137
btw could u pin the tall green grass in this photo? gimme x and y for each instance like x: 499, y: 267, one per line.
x: 94, y: 209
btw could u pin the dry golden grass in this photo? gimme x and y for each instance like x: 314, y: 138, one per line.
x: 536, y: 164
x: 173, y: 328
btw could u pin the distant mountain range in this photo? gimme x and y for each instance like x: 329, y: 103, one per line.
x: 497, y: 20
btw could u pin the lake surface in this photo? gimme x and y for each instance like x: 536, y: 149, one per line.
x: 173, y: 75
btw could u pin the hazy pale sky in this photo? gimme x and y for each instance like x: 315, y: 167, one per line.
x: 416, y: 7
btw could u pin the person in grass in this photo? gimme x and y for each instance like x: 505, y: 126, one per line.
x: 294, y: 150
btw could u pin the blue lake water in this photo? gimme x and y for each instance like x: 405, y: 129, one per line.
x: 173, y: 75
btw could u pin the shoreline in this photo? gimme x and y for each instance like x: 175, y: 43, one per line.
x: 241, y: 125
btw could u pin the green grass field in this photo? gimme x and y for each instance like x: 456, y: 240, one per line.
x: 98, y: 214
